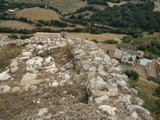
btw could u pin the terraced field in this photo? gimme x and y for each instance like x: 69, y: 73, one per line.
x: 37, y: 14
x: 15, y: 24
x: 65, y: 6
x: 99, y: 37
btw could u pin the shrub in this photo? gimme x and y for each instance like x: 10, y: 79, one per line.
x: 13, y: 36
x: 133, y: 75
x: 126, y: 39
x: 111, y: 42
x: 157, y: 91
x: 25, y: 36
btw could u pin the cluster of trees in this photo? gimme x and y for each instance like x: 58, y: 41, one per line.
x: 130, y: 15
x: 152, y: 47
x: 28, y: 31
x: 101, y: 2
x: 129, y: 18
x: 54, y: 23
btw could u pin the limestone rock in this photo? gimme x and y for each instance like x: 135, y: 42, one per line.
x: 108, y: 109
x: 15, y: 89
x: 42, y: 111
x: 5, y: 75
x: 4, y: 89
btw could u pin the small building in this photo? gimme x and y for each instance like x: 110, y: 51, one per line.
x: 151, y: 71
x: 108, y: 48
x: 129, y: 57
x: 141, y: 54
x: 144, y: 61
x: 118, y: 54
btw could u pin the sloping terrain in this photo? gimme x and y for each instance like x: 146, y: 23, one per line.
x: 57, y: 79
x: 37, y: 14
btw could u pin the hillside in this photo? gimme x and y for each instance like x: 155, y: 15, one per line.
x: 56, y: 78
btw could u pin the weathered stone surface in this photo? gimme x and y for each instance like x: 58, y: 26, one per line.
x: 42, y: 111
x: 5, y: 75
x: 4, y: 89
x: 108, y: 109
x: 15, y: 89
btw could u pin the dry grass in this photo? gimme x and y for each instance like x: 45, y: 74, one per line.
x: 148, y: 86
x: 99, y: 37
x: 7, y: 53
x: 65, y: 6
x: 116, y: 4
x: 37, y: 14
x: 15, y: 24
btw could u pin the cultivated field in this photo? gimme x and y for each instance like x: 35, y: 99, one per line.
x: 15, y: 24
x: 99, y: 37
x: 65, y: 6
x: 37, y: 14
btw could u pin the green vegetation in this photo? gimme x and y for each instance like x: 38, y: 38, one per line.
x: 111, y: 41
x: 13, y: 36
x: 126, y: 39
x: 157, y: 91
x: 54, y: 23
x: 133, y: 75
x: 100, y: 2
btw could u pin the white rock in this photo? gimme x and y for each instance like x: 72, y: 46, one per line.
x: 134, y: 116
x: 108, y: 109
x: 5, y: 75
x: 67, y: 77
x: 48, y: 60
x: 4, y: 89
x: 39, y: 47
x: 26, y: 54
x: 101, y: 99
x: 42, y: 111
x: 14, y: 69
x: 14, y: 64
x: 55, y: 84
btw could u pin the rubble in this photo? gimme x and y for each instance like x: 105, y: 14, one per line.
x: 106, y: 94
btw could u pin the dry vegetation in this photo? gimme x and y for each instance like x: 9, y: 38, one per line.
x: 37, y: 14
x: 7, y: 53
x: 116, y: 4
x: 15, y: 24
x: 65, y: 6
x: 98, y: 37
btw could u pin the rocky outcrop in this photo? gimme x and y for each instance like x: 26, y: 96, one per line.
x: 107, y: 94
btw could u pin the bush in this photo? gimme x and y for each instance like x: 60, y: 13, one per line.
x: 25, y: 36
x: 126, y: 39
x: 157, y: 91
x: 133, y: 75
x: 13, y: 36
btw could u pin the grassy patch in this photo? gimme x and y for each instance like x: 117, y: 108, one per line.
x: 37, y: 14
x: 15, y: 24
x: 98, y: 37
